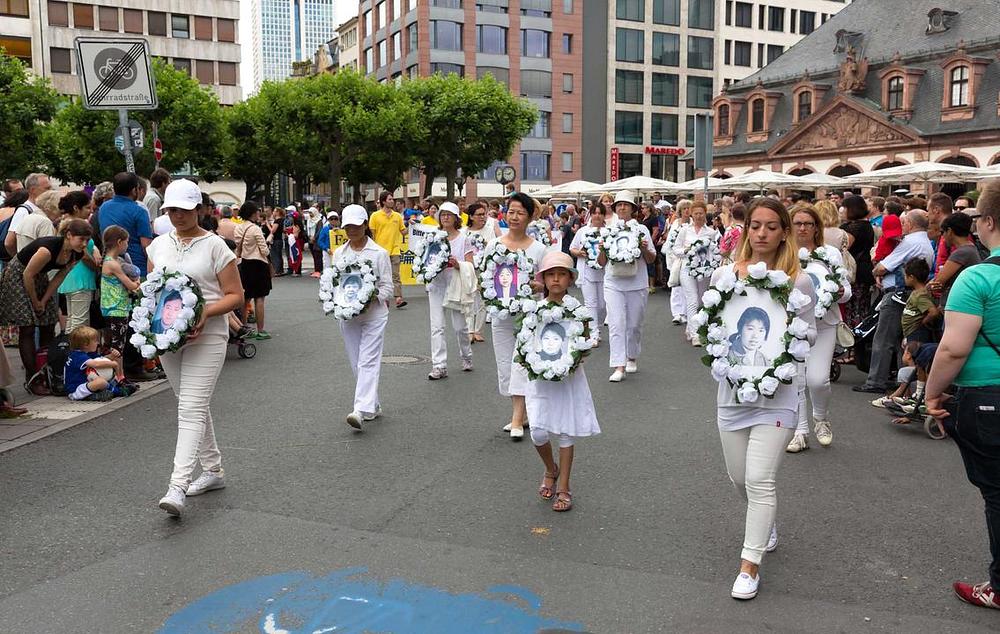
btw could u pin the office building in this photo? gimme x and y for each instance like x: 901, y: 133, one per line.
x: 347, y: 41
x: 287, y: 31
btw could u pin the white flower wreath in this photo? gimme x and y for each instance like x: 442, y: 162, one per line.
x: 478, y: 243
x: 149, y: 344
x: 504, y: 307
x: 614, y: 250
x: 837, y: 278
x: 572, y: 317
x: 335, y: 301
x: 709, y: 323
x: 702, y: 257
x: 591, y: 237
x: 541, y: 234
x: 426, y: 270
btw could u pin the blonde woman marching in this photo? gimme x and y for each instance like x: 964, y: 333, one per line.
x: 626, y: 295
x: 591, y: 280
x: 693, y: 288
x: 754, y: 435
x: 461, y: 251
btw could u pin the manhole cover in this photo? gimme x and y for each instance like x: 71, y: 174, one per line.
x: 402, y: 359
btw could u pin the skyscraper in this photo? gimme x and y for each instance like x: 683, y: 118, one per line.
x: 286, y: 31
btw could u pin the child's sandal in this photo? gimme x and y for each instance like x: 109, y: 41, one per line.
x: 548, y: 492
x: 564, y: 501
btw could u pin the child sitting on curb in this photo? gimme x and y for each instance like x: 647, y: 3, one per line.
x: 88, y: 376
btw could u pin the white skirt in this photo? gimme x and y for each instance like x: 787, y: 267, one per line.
x: 563, y: 407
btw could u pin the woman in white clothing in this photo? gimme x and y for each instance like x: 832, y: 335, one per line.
x: 754, y: 435
x: 809, y: 235
x: 365, y: 334
x: 194, y: 369
x: 512, y: 378
x: 591, y: 280
x: 626, y: 295
x: 678, y: 303
x: 693, y: 288
x: 481, y: 224
x: 461, y: 251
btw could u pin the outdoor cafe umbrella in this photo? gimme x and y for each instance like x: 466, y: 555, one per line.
x: 922, y: 172
x: 572, y: 189
x: 640, y: 184
x: 759, y: 181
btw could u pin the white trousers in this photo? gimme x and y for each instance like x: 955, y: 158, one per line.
x: 678, y: 303
x: 752, y: 459
x: 78, y: 309
x: 626, y: 312
x: 817, y: 377
x: 593, y: 298
x: 327, y: 258
x: 693, y: 290
x: 439, y: 348
x: 478, y: 319
x: 512, y: 379
x: 192, y: 372
x: 363, y: 339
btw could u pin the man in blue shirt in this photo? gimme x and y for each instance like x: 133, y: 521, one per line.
x: 124, y: 211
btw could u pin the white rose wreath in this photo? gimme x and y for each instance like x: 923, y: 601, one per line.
x: 541, y: 233
x: 618, y: 251
x: 478, y: 243
x: 591, y: 238
x: 337, y: 302
x: 504, y: 307
x: 702, y: 257
x: 149, y: 344
x: 709, y: 323
x: 837, y: 278
x: 426, y: 270
x: 572, y: 318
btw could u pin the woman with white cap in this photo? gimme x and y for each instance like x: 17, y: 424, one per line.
x: 694, y: 288
x: 626, y: 295
x: 194, y: 369
x: 450, y: 221
x: 365, y: 334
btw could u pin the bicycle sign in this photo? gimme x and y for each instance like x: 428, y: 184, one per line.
x: 115, y: 74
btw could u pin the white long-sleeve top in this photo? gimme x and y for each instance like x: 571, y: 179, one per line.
x: 686, y: 237
x: 383, y: 268
x: 832, y: 316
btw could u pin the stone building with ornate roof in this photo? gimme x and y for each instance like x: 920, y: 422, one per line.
x: 882, y: 83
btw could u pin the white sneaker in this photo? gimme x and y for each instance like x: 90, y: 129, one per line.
x: 207, y: 481
x: 631, y: 367
x: 745, y: 586
x: 173, y: 501
x: 507, y: 427
x: 516, y: 433
x: 466, y: 365
x: 772, y: 541
x: 696, y: 341
x: 437, y: 374
x: 354, y: 420
x: 376, y: 414
x: 677, y: 321
x: 823, y: 433
x: 616, y: 376
x: 799, y: 443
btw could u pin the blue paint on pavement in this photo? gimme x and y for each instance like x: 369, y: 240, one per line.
x: 349, y: 602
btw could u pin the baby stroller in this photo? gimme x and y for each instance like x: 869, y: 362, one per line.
x: 238, y: 337
x: 864, y: 335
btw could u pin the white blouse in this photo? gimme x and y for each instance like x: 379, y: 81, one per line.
x: 383, y: 268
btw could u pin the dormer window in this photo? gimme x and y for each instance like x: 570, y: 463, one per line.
x: 939, y: 20
x: 727, y: 113
x: 762, y: 104
x: 963, y: 78
x: 959, y: 87
x: 804, y: 105
x: 894, y: 94
x: 806, y: 97
x: 757, y: 115
x: 723, y: 118
x: 899, y: 87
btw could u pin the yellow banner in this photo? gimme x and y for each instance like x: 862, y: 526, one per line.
x: 339, y: 237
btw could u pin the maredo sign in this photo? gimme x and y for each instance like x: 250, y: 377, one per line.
x: 671, y: 151
x: 614, y: 163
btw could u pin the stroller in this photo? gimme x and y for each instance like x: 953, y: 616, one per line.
x: 238, y: 337
x: 864, y: 336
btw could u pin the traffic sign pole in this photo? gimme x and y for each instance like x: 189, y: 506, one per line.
x: 126, y: 140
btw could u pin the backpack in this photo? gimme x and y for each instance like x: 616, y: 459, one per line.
x: 4, y: 230
x: 984, y: 253
x: 51, y: 365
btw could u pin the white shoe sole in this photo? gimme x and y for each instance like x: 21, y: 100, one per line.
x: 743, y: 596
x: 632, y: 370
x: 172, y: 509
x: 214, y: 487
x: 354, y: 420
x: 517, y: 435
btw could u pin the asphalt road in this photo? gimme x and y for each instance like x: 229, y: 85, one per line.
x: 412, y: 525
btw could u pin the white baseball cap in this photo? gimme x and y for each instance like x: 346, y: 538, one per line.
x: 354, y: 215
x: 332, y: 214
x: 291, y: 208
x: 182, y: 194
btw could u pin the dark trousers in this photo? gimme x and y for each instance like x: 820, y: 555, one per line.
x: 277, y: 254
x: 317, y: 254
x: 886, y: 342
x: 976, y: 430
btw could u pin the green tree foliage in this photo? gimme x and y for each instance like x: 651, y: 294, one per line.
x: 26, y: 103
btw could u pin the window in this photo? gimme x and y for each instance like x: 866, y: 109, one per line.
x: 180, y: 27
x: 534, y: 43
x: 107, y: 18
x: 447, y: 4
x: 775, y: 19
x: 761, y: 12
x: 448, y: 69
x: 959, y: 87
x: 744, y: 15
x: 380, y: 12
x: 202, y: 28
x: 629, y: 165
x: 397, y: 9
x: 757, y: 116
x: 699, y: 92
x: 58, y: 13
x: 760, y: 55
x: 628, y: 127
x: 805, y: 105
x: 631, y: 10
x: 369, y: 60
x: 567, y: 83
x: 663, y: 166
x: 664, y: 129
x: 226, y: 29
x: 723, y: 117
x: 413, y: 71
x: 567, y: 161
x: 412, y: 5
x: 567, y: 126
x: 368, y: 23
x: 183, y: 65
x: 741, y: 54
x: 60, y: 60
x: 568, y: 7
x: 666, y: 49
x: 536, y: 83
x: 383, y: 53
x: 792, y: 17
x: 774, y: 51
x: 629, y: 46
x: 665, y: 89
x: 83, y: 16
x: 411, y: 36
x: 227, y: 74
x: 667, y: 12
x: 807, y: 22
x: 491, y: 39
x: 727, y: 52
x: 206, y: 71
x: 701, y: 14
x: 490, y: 8
x: 446, y: 36
x: 567, y: 43
x: 133, y: 22
x: 541, y: 129
x: 397, y: 45
x: 534, y: 166
x: 700, y: 52
x: 14, y: 7
x: 895, y: 94
x: 689, y: 131
x: 502, y: 75
x: 628, y: 86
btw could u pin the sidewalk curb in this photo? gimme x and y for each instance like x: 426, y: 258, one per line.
x: 55, y: 428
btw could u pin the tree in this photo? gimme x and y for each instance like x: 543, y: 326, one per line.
x: 79, y: 142
x: 470, y: 125
x: 26, y: 103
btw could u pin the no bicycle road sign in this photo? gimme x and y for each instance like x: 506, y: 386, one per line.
x: 115, y: 73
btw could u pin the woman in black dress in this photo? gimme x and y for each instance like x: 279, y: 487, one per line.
x: 860, y: 240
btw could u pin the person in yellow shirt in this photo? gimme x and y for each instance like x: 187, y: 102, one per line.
x: 432, y: 214
x: 387, y: 229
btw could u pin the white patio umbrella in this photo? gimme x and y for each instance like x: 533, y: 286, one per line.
x: 815, y: 180
x: 698, y: 184
x: 640, y: 184
x: 572, y: 189
x: 760, y: 180
x: 922, y: 172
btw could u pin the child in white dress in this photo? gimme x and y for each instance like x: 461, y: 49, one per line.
x: 563, y: 409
